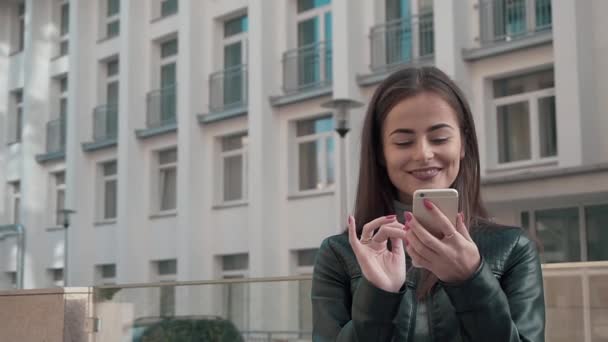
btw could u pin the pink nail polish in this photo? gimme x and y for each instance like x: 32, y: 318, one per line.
x: 350, y: 219
x: 428, y: 204
x: 390, y: 217
x: 408, y: 216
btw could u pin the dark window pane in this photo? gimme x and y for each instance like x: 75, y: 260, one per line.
x: 233, y: 178
x: 513, y: 132
x: 108, y: 271
x: 109, y: 168
x: 167, y: 267
x: 306, y: 257
x: 305, y: 5
x: 235, y: 262
x: 113, y: 7
x: 235, y: 26
x: 558, y: 232
x: 308, y: 165
x: 596, y: 218
x: 65, y: 18
x: 524, y: 83
x: 168, y: 7
x: 312, y: 126
x: 547, y: 127
x: 168, y: 48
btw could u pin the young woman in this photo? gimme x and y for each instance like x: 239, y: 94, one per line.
x: 387, y: 278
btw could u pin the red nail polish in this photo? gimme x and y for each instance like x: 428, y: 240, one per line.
x: 428, y: 204
x: 408, y: 216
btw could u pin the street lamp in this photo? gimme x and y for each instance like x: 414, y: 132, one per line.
x: 341, y: 108
x: 66, y: 223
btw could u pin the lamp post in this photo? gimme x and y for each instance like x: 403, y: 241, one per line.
x: 66, y: 223
x: 341, y: 108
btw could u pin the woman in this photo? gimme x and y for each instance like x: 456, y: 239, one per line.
x: 475, y: 282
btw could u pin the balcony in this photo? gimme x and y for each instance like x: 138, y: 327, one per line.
x: 307, y: 73
x: 227, y: 94
x: 161, y: 113
x: 508, y: 25
x: 105, y: 128
x: 400, y: 43
x: 55, y: 141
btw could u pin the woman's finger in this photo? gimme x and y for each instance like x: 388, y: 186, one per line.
x: 352, y: 233
x: 385, y: 232
x: 415, y: 243
x: 417, y: 259
x: 461, y: 228
x: 368, y: 229
x: 425, y: 237
x: 443, y: 223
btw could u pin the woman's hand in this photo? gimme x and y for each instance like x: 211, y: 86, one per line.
x: 452, y: 258
x: 383, y: 268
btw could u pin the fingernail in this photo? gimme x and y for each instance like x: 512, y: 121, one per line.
x: 408, y: 216
x: 428, y: 204
x: 406, y: 227
x: 350, y: 219
x: 390, y: 217
x: 407, y: 243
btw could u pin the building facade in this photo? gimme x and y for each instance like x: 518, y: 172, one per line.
x: 189, y: 136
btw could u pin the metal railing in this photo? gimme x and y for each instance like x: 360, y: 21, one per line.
x: 105, y: 122
x: 505, y: 20
x: 228, y: 88
x: 162, y: 107
x: 402, y: 41
x: 55, y: 136
x: 307, y: 67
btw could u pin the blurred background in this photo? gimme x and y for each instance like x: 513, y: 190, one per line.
x: 201, y: 150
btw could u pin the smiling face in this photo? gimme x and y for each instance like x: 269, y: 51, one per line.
x: 422, y: 144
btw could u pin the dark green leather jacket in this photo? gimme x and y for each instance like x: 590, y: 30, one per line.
x: 502, y: 301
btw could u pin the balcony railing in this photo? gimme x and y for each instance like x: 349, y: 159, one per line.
x: 505, y: 20
x: 228, y: 89
x: 402, y: 41
x: 307, y: 67
x: 105, y: 122
x: 55, y: 136
x: 162, y: 107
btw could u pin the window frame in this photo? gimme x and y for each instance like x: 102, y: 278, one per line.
x: 101, y: 191
x: 63, y: 48
x: 294, y: 186
x: 241, y: 273
x: 100, y: 279
x: 57, y: 188
x: 110, y: 19
x: 161, y: 169
x: 531, y: 99
x: 221, y: 156
x: 14, y: 198
x: 164, y: 278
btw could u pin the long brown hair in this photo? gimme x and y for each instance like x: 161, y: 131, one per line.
x: 375, y: 192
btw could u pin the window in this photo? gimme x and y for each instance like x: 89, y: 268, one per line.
x: 524, y: 122
x: 59, y: 192
x: 17, y: 119
x: 233, y: 163
x: 105, y: 274
x: 12, y: 279
x: 314, y: 36
x: 111, y: 19
x: 15, y: 201
x: 166, y: 271
x: 64, y: 28
x: 18, y: 36
x: 108, y: 201
x: 106, y: 116
x: 570, y: 234
x: 168, y: 7
x: 168, y: 80
x: 305, y: 263
x: 235, y: 56
x: 236, y: 295
x: 56, y: 276
x: 314, y: 142
x: 507, y: 20
x: 167, y: 179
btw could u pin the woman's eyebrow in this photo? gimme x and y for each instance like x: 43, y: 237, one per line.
x: 411, y: 131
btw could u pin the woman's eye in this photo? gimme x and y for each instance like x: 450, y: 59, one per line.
x: 403, y: 143
x: 440, y: 140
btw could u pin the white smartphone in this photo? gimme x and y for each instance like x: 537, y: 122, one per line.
x: 445, y: 199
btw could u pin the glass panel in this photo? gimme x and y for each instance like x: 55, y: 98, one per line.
x: 168, y: 189
x: 328, y: 46
x: 112, y: 93
x: 525, y: 220
x: 305, y: 305
x: 524, y: 83
x: 167, y: 157
x: 305, y: 5
x: 60, y: 178
x: 309, y: 166
x: 235, y: 262
x: 306, y: 257
x: 596, y: 218
x: 543, y: 14
x: 108, y: 271
x: 113, y: 29
x: 233, y: 178
x: 168, y: 48
x: 235, y: 26
x: 60, y: 204
x: 564, y: 308
x: 331, y: 168
x: 167, y: 301
x: 233, y: 142
x: 513, y: 132
x: 109, y: 168
x: 113, y: 68
x: 598, y: 293
x: 110, y: 198
x: 168, y: 7
x: 113, y: 7
x: 308, y: 57
x: 558, y: 232
x: 168, y: 100
x: 63, y: 84
x: 167, y: 267
x: 65, y: 18
x: 16, y: 210
x: 19, y: 125
x: 313, y: 126
x: 233, y: 78
x: 547, y: 127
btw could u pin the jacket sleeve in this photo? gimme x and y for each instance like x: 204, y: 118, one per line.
x: 510, y: 310
x: 337, y: 316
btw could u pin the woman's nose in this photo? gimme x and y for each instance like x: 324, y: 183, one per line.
x: 423, y: 151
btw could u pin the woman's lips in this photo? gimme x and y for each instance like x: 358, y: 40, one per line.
x: 425, y: 174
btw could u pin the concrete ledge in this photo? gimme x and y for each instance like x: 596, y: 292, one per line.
x: 99, y: 145
x: 560, y: 172
x: 223, y: 115
x: 52, y: 156
x: 503, y: 47
x: 278, y: 101
x: 151, y: 132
